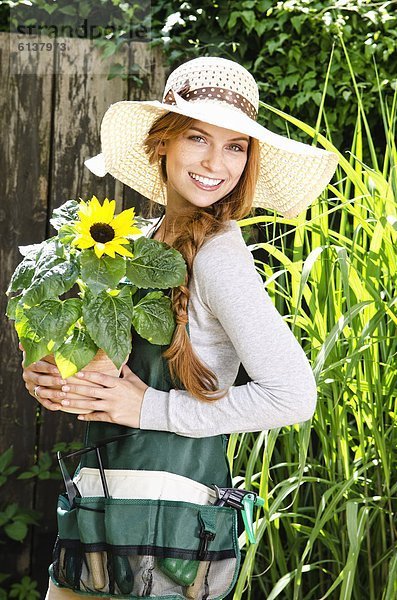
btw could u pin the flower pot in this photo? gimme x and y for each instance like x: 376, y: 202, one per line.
x: 100, y: 363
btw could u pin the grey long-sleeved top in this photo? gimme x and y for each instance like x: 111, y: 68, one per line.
x: 232, y: 320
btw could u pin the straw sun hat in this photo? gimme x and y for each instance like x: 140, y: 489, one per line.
x: 223, y: 93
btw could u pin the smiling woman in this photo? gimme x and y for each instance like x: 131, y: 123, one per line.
x: 166, y: 524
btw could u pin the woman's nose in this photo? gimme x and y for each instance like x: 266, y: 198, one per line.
x: 213, y: 160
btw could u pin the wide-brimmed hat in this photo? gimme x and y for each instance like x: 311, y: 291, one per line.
x: 221, y: 92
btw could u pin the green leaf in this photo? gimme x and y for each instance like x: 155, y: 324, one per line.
x: 34, y: 345
x: 68, y: 10
x: 101, y: 273
x: 75, y: 353
x: 63, y: 215
x: 66, y: 234
x: 16, y: 530
x: 33, y: 249
x: 6, y: 459
x: 24, y: 272
x: 52, y: 319
x: 234, y: 15
x: 53, y: 276
x: 108, y: 321
x: 12, y: 305
x: 155, y: 265
x: 153, y: 318
x: 249, y: 19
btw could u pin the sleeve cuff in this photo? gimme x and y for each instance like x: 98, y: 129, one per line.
x: 154, y: 410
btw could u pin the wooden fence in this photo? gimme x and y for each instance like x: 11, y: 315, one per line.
x: 52, y: 104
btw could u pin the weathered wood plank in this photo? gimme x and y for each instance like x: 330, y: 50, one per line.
x: 151, y: 67
x: 24, y: 155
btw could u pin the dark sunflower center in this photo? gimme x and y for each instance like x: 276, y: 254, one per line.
x: 102, y: 232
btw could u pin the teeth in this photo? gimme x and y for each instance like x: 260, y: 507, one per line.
x: 205, y: 180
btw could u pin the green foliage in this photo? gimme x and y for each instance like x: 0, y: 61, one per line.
x: 285, y: 45
x: 155, y: 264
x: 108, y: 320
x: 328, y: 525
x: 25, y: 590
x: 103, y: 313
x: 153, y: 318
x: 15, y: 520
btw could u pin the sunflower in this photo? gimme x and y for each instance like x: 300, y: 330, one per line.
x: 97, y: 226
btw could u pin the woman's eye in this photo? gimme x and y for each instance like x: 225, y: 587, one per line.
x: 192, y: 137
x: 235, y: 146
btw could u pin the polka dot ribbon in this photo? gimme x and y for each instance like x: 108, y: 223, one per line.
x: 216, y: 93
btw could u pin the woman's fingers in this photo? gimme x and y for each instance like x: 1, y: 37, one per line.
x: 89, y: 404
x: 33, y: 378
x: 46, y: 402
x: 41, y: 366
x: 102, y: 379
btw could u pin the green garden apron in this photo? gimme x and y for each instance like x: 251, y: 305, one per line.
x: 115, y: 541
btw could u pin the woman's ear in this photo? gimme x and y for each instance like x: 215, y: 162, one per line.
x: 161, y: 148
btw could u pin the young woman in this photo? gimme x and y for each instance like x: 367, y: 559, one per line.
x: 201, y: 153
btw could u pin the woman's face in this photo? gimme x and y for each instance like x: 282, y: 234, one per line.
x: 204, y: 151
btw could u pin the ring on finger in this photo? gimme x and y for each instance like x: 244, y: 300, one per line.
x: 35, y: 391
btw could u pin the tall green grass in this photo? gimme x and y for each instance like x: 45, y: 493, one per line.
x: 329, y: 525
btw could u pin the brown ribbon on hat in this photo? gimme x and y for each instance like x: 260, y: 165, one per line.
x: 216, y: 93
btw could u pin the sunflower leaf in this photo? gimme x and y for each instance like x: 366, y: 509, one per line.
x: 53, y: 276
x: 101, y: 273
x: 155, y: 265
x: 64, y: 214
x: 23, y: 274
x: 33, y: 249
x: 34, y: 345
x: 75, y: 353
x: 108, y: 321
x: 66, y: 233
x: 153, y: 318
x: 11, y: 306
x: 53, y: 316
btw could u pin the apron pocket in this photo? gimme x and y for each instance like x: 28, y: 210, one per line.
x: 140, y: 547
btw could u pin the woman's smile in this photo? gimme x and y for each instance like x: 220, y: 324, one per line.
x: 206, y: 183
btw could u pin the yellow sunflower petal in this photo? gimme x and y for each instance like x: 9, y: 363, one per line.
x: 99, y: 249
x: 83, y: 242
x: 108, y: 209
x: 124, y: 252
x: 123, y: 222
x: 117, y: 247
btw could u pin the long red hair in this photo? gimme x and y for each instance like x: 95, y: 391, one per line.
x: 184, y: 365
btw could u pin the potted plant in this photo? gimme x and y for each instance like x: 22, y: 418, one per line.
x: 106, y: 260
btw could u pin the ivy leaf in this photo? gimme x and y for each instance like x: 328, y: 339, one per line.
x: 101, y: 273
x: 155, y: 265
x: 16, y: 530
x: 107, y: 317
x: 75, y: 353
x: 153, y: 318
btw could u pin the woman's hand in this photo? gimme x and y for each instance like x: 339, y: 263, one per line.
x: 114, y: 400
x: 47, y: 377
